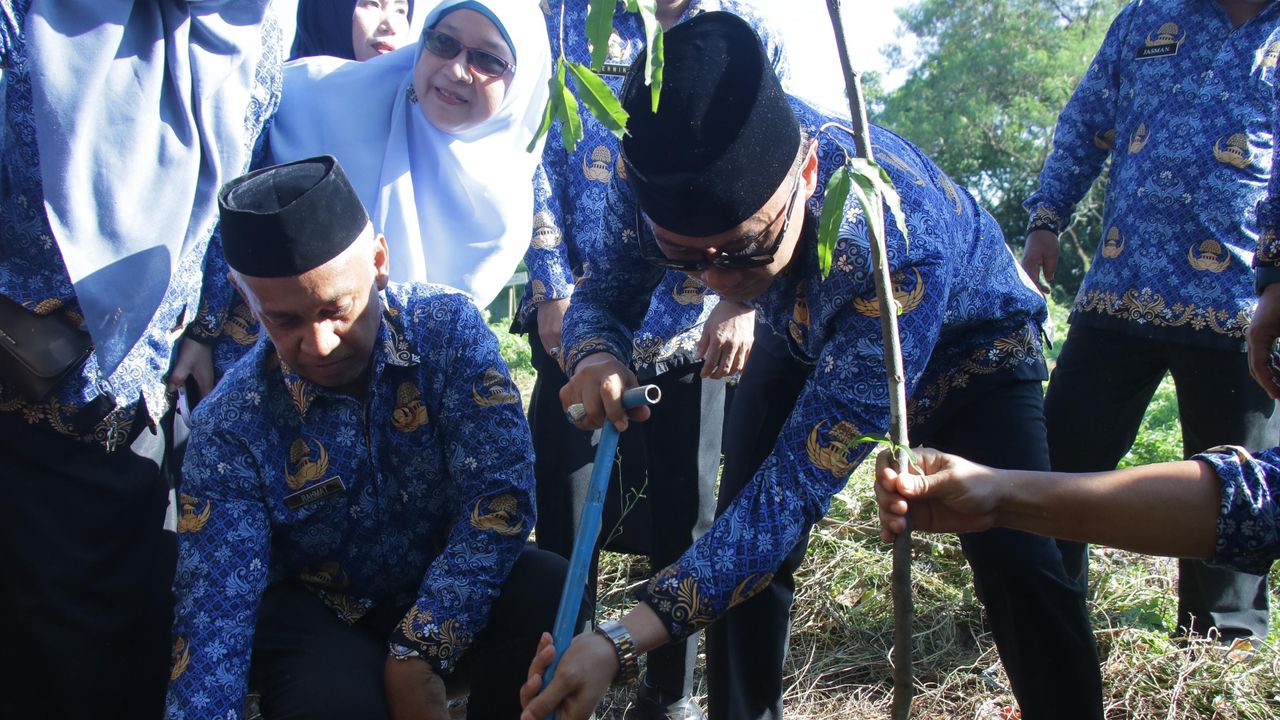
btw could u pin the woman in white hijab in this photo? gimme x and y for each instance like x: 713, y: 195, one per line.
x: 434, y: 138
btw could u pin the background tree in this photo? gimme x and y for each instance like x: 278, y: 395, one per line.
x: 982, y: 97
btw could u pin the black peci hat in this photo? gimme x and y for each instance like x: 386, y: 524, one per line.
x: 287, y: 219
x: 724, y: 137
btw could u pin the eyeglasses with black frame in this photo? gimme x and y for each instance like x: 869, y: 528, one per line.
x: 482, y: 62
x: 736, y: 261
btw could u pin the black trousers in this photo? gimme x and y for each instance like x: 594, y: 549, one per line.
x: 673, y: 459
x: 308, y: 664
x: 1097, y: 396
x: 1037, y: 615
x: 86, y: 605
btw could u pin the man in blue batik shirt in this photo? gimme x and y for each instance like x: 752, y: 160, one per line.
x: 729, y: 174
x: 675, y: 460
x: 1180, y: 98
x: 121, y: 120
x: 358, y: 489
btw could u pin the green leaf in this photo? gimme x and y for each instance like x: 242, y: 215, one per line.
x: 832, y: 215
x: 567, y: 110
x: 599, y: 28
x: 599, y: 99
x: 653, y: 41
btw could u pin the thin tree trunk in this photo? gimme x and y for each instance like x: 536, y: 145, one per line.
x: 903, y: 684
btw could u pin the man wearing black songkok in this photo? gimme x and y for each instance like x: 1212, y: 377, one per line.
x: 729, y: 176
x: 357, y: 489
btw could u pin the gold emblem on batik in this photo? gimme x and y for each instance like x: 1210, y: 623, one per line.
x: 620, y: 167
x: 1139, y: 139
x: 494, y: 389
x: 416, y: 618
x: 799, y: 323
x: 1113, y: 245
x: 326, y: 575
x: 409, y: 413
x: 1271, y: 56
x: 620, y: 51
x: 537, y: 291
x: 545, y: 233
x: 1235, y: 153
x: 501, y: 516
x: 191, y: 516
x: 1166, y: 35
x: 689, y: 292
x: 302, y: 468
x: 1268, y: 250
x: 1105, y: 140
x: 833, y: 454
x: 1209, y: 255
x: 907, y: 300
x: 750, y: 587
x: 689, y: 607
x: 240, y: 325
x: 889, y: 158
x: 180, y: 657
x: 600, y: 169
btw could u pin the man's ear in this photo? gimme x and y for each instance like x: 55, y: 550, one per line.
x: 809, y: 169
x: 381, y: 261
x: 244, y: 293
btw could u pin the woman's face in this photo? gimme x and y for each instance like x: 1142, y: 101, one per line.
x: 452, y: 95
x: 378, y: 27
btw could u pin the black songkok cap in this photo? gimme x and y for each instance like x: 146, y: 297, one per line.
x: 724, y: 137
x: 287, y: 219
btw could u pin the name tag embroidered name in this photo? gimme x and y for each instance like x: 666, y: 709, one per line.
x: 315, y: 493
x: 1154, y: 51
x: 617, y: 69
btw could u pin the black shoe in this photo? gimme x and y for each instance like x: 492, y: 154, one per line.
x: 648, y: 705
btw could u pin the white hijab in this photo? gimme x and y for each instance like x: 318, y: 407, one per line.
x: 456, y: 208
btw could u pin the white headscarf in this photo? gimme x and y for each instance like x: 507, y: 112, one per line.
x: 457, y: 208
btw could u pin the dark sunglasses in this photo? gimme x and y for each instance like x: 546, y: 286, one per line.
x: 736, y: 261
x: 445, y: 46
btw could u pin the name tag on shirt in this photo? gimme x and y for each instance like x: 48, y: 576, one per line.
x: 1147, y: 52
x: 616, y: 69
x: 314, y: 494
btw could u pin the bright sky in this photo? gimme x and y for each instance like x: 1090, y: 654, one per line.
x: 870, y: 26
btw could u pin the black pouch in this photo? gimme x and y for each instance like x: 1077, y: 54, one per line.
x: 38, y: 352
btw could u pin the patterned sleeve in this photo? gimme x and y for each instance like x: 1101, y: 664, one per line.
x: 616, y: 286
x: 844, y: 398
x: 9, y: 31
x: 1084, y: 135
x: 1249, y: 518
x: 550, y: 270
x: 1266, y: 261
x: 216, y: 294
x: 490, y: 456
x: 223, y: 546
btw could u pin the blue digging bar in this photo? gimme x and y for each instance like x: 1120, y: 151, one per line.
x: 584, y: 543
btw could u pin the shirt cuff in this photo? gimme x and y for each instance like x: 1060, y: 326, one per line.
x: 1046, y: 218
x: 1265, y: 275
x: 440, y: 643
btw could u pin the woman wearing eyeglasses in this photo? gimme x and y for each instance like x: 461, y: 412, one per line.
x: 434, y: 139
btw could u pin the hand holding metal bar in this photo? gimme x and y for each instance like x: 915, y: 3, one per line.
x: 584, y: 542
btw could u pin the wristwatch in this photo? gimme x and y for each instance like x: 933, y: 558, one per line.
x: 628, y: 660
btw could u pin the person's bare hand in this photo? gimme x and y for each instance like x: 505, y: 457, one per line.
x: 727, y: 338
x: 942, y: 493
x: 1041, y: 253
x: 1261, y: 339
x: 582, y: 678
x: 195, y: 360
x: 414, y: 691
x: 598, y: 383
x: 551, y: 326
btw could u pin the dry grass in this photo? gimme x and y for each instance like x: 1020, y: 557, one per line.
x: 842, y: 625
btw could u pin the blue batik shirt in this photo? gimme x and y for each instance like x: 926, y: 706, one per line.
x: 32, y: 272
x: 969, y: 316
x: 1181, y: 103
x: 570, y: 189
x: 1249, y: 515
x: 421, y: 495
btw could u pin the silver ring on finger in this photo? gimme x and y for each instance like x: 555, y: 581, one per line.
x: 576, y: 413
